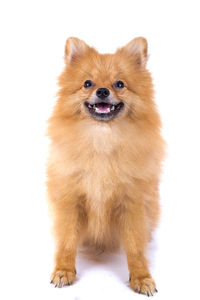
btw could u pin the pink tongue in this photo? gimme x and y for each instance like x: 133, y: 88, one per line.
x: 102, y: 107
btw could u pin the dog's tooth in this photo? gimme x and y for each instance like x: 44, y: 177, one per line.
x: 90, y: 106
x: 113, y: 107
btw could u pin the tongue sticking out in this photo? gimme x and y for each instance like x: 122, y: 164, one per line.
x: 102, y: 107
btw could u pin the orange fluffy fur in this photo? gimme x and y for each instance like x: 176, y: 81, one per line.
x: 103, y: 176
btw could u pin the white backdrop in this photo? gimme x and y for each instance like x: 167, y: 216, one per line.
x: 33, y: 35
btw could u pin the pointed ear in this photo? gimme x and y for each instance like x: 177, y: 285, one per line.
x: 74, y: 48
x: 137, y: 48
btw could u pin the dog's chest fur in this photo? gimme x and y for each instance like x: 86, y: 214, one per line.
x: 100, y: 181
x: 101, y: 172
x: 101, y: 167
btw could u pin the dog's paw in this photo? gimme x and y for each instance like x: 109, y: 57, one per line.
x: 144, y: 286
x: 62, y: 278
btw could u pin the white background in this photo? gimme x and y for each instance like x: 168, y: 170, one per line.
x: 33, y: 35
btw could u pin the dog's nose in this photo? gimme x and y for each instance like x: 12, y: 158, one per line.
x: 102, y: 93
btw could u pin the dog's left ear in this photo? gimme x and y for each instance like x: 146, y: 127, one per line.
x: 138, y: 49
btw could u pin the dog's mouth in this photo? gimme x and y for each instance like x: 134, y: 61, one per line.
x: 103, y: 110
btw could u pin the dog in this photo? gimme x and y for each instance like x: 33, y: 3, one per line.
x: 105, y: 158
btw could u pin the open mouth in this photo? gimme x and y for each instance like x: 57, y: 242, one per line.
x: 104, y: 111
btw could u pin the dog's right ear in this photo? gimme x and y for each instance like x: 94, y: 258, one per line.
x: 74, y: 48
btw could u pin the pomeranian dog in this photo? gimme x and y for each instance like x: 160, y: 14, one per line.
x: 105, y: 158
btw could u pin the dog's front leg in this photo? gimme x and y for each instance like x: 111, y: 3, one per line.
x: 135, y: 237
x: 67, y: 235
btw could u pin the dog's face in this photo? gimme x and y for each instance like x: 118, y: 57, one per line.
x: 105, y: 87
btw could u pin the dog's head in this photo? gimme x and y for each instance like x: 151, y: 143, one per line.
x: 105, y: 87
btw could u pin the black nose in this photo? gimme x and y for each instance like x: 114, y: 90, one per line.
x: 102, y: 93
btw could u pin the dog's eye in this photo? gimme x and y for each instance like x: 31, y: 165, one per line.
x: 119, y: 84
x: 87, y: 84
